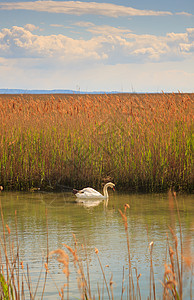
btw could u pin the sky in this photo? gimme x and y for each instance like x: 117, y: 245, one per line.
x: 106, y: 45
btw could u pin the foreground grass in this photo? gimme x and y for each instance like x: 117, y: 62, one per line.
x: 142, y: 142
x: 15, y: 279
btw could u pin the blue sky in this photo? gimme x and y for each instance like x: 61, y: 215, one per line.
x: 127, y: 46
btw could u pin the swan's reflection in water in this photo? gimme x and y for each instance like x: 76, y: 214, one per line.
x: 89, y: 203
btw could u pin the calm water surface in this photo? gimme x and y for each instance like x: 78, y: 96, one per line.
x: 149, y: 218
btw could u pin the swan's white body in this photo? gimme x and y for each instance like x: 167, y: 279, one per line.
x: 90, y: 193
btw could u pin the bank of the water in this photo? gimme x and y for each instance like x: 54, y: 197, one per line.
x: 144, y: 143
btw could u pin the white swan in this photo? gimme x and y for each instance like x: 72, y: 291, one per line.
x: 89, y: 193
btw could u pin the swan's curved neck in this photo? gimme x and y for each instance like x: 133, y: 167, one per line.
x: 105, y: 191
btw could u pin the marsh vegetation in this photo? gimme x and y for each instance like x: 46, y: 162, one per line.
x: 142, y: 142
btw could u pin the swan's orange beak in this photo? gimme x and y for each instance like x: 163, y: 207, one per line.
x: 113, y: 189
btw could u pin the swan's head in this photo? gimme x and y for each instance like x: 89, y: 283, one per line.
x: 110, y: 184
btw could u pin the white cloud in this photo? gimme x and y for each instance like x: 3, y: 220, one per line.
x: 19, y: 42
x: 57, y: 25
x: 109, y: 45
x: 186, y: 48
x: 84, y: 24
x: 190, y: 32
x: 184, y: 14
x: 108, y: 30
x: 31, y: 27
x: 80, y: 8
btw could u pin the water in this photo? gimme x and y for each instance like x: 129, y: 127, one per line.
x: 149, y: 218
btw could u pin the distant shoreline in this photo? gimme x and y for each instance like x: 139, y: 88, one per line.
x: 61, y: 91
x: 54, y: 91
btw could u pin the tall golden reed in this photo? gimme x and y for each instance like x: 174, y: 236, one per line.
x: 142, y: 141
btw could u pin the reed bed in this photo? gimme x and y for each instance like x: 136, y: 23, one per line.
x: 15, y: 280
x: 143, y: 142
